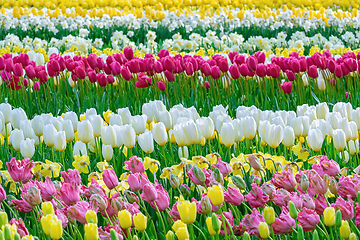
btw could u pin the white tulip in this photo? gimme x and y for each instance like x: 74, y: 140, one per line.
x: 125, y: 115
x: 274, y: 135
x: 334, y: 119
x: 146, y: 141
x: 354, y: 130
x: 108, y: 136
x: 236, y: 123
x: 191, y: 132
x: 278, y: 121
x: 85, y: 131
x: 46, y: 118
x: 67, y: 127
x: 321, y: 83
x: 355, y: 116
x: 344, y: 125
x: 107, y: 152
x: 138, y: 122
x: 16, y: 116
x: 288, y: 137
x: 118, y: 133
x: 60, y: 141
x: 128, y: 135
x: 115, y: 119
x: 315, y: 139
x: 248, y: 126
x: 27, y: 148
x: 340, y: 107
x: 300, y: 110
x: 227, y: 134
x: 183, y: 152
x: 16, y: 137
x: 6, y: 109
x: 89, y: 112
x: 321, y: 110
x: 57, y: 124
x: 165, y: 117
x: 73, y: 118
x: 159, y: 133
x: 353, y: 147
x: 206, y: 127
x: 220, y: 120
x: 25, y: 125
x: 262, y: 129
x: 97, y: 124
x: 49, y: 135
x: 37, y: 124
x: 319, y: 124
x: 179, y: 135
x: 339, y: 138
x: 79, y: 148
x: 6, y: 130
x: 37, y: 139
x: 306, y: 125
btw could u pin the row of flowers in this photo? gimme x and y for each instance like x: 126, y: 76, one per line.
x: 246, y: 22
x: 203, y: 197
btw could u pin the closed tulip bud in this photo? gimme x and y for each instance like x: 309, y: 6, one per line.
x: 3, y: 219
x: 292, y: 210
x: 27, y: 148
x: 131, y: 197
x: 125, y: 219
x: 60, y: 141
x: 246, y: 236
x: 353, y: 236
x: 304, y: 182
x: 239, y: 182
x: 85, y: 131
x: 199, y: 174
x: 216, y: 224
x: 345, y: 230
x: 333, y: 187
x: 329, y: 216
x: 160, y: 134
x: 170, y: 235
x: 113, y: 234
x: 254, y: 162
x: 17, y: 236
x: 91, y: 217
x: 140, y: 221
x: 269, y: 215
x: 218, y: 176
x: 7, y: 232
x: 174, y: 181
x: 338, y: 219
x: 91, y: 231
x: 206, y: 206
x: 210, y: 224
x: 183, y: 152
x: 315, y: 235
x: 300, y: 233
x: 107, y: 152
x: 264, y: 231
x: 47, y: 208
x: 184, y: 189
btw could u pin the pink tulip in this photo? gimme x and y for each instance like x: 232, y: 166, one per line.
x: 47, y: 189
x: 215, y: 72
x: 260, y: 56
x: 286, y: 87
x: 320, y: 204
x: 232, y: 56
x: 174, y: 212
x: 207, y: 85
x: 30, y: 72
x: 60, y: 213
x: 163, y: 200
x: 223, y: 65
x: 121, y: 58
x: 9, y: 65
x: 261, y: 70
x: 312, y: 71
x: 308, y: 219
x: 115, y: 68
x: 303, y: 65
x: 308, y: 201
x: 224, y: 167
x: 42, y: 76
x: 161, y: 85
x: 110, y: 79
x: 290, y: 75
x: 239, y: 59
x: 295, y: 65
x: 256, y: 198
x: 72, y: 176
x: 150, y: 193
x: 206, y: 69
x: 92, y: 60
x: 230, y: 219
x: 110, y: 179
x: 326, y: 166
x: 2, y: 63
x: 284, y: 224
x: 22, y: 205
x: 70, y: 193
x: 126, y: 74
x: 101, y: 79
x: 158, y: 67
x: 78, y: 211
x: 99, y: 202
x: 163, y: 53
x: 135, y: 165
x: 348, y: 95
x: 234, y: 71
x: 36, y: 86
x: 20, y: 171
x: 318, y: 183
x: 128, y: 52
x: 346, y: 208
x: 100, y: 63
x: 284, y: 179
x: 333, y: 82
x: 169, y: 76
x: 18, y: 69
x: 20, y: 227
x: 252, y: 221
x: 331, y: 65
x: 269, y: 189
x: 233, y: 196
x: 189, y: 69
x: 2, y: 194
x: 244, y: 70
x: 281, y: 197
x: 107, y: 69
x: 338, y: 71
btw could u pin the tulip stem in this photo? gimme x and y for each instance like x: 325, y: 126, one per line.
x: 227, y: 222
x: 192, y: 234
x: 146, y: 235
x: 229, y: 153
x: 200, y: 231
x: 161, y: 219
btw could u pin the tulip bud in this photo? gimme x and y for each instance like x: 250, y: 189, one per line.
x: 90, y: 216
x: 269, y: 215
x: 113, y: 234
x: 292, y: 210
x: 218, y: 176
x: 254, y: 162
x: 135, y: 238
x: 300, y: 233
x: 17, y: 236
x: 239, y: 182
x: 47, y: 208
x: 315, y: 235
x: 3, y: 219
x: 353, y: 236
x: 329, y: 216
x: 170, y: 235
x: 131, y: 197
x: 199, y: 174
x: 338, y: 219
x: 215, y: 223
x: 1, y: 235
x: 304, y: 182
x: 264, y: 230
x: 246, y: 236
x: 7, y: 232
x: 206, y: 205
x: 333, y: 187
x: 184, y: 189
x: 345, y: 230
x: 174, y: 181
x: 188, y: 167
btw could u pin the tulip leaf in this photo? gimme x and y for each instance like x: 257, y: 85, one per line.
x: 315, y: 97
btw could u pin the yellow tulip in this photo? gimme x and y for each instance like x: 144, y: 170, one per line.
x: 269, y: 215
x: 216, y: 195
x: 91, y: 231
x: 56, y: 229
x: 47, y: 208
x: 140, y: 221
x: 46, y: 223
x: 187, y: 211
x: 329, y: 216
x: 91, y: 215
x: 345, y: 230
x: 353, y: 236
x: 264, y: 230
x: 125, y: 219
x: 210, y: 226
x: 181, y: 230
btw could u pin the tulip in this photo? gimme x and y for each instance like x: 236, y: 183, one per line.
x: 27, y: 148
x: 60, y: 141
x: 56, y: 229
x: 227, y: 134
x: 20, y: 171
x: 97, y: 124
x: 159, y: 133
x: 108, y: 136
x: 269, y: 215
x: 315, y: 139
x: 248, y: 126
x: 187, y: 211
x: 352, y: 236
x: 107, y: 152
x: 308, y: 219
x: 183, y: 152
x: 125, y: 219
x: 209, y: 225
x: 91, y: 217
x: 85, y: 131
x: 345, y: 230
x: 140, y: 221
x: 288, y: 137
x: 313, y: 72
x: 5, y: 108
x: 216, y: 195
x: 264, y: 230
x: 129, y: 135
x: 69, y: 130
x: 47, y: 208
x: 46, y: 223
x: 165, y: 118
x: 73, y: 118
x: 181, y: 230
x: 286, y: 87
x: 91, y: 231
x: 339, y: 139
x: 110, y: 179
x: 274, y: 135
x: 146, y: 142
x: 16, y: 137
x: 329, y: 216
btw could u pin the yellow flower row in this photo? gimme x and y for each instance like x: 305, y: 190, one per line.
x: 156, y: 11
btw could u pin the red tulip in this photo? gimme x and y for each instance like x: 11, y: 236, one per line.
x: 286, y: 87
x: 251, y: 63
x: 313, y: 72
x: 261, y: 70
x: 115, y: 68
x: 207, y: 85
x: 129, y: 53
x: 290, y: 75
x: 260, y: 56
x: 189, y: 69
x: 169, y: 76
x: 244, y: 71
x: 215, y: 72
x: 126, y: 74
x: 158, y: 67
x: 234, y: 71
x: 161, y: 85
x: 9, y: 65
x: 2, y: 63
x: 205, y: 69
x: 30, y: 72
x: 110, y: 79
x: 338, y: 71
x: 101, y: 79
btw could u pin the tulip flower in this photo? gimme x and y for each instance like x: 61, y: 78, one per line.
x: 315, y: 139
x: 125, y: 219
x: 181, y: 230
x: 216, y: 195
x: 339, y: 139
x: 107, y: 152
x: 110, y: 179
x: 91, y: 231
x: 159, y: 133
x: 269, y: 215
x: 140, y: 221
x: 227, y: 134
x: 85, y: 131
x: 27, y: 148
x: 329, y: 216
x: 56, y: 229
x: 345, y: 230
x: 47, y: 208
x: 91, y: 216
x: 264, y: 230
x: 187, y: 211
x: 209, y: 225
x: 60, y: 141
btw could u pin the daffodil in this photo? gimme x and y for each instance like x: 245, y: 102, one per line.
x: 82, y: 163
x: 50, y: 169
x: 151, y: 164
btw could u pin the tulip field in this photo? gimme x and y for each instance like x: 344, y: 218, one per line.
x: 188, y: 120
